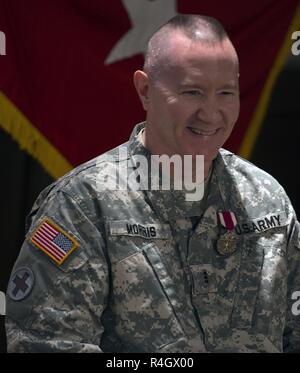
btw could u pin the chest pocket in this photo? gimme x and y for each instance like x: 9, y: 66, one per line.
x: 251, y: 262
x: 144, y: 291
x: 260, y: 287
x: 125, y: 238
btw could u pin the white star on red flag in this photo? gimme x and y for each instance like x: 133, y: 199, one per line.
x: 146, y: 16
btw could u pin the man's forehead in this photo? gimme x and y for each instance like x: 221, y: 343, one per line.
x: 196, y: 64
x: 199, y: 81
x: 180, y: 47
x: 176, y: 52
x: 183, y: 52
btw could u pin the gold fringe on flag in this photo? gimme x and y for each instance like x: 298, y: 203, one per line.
x: 31, y: 139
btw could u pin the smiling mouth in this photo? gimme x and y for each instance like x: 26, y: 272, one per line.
x: 199, y: 132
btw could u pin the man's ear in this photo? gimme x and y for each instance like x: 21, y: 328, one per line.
x: 141, y: 83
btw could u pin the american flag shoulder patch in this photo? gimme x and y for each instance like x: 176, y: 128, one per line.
x: 53, y: 240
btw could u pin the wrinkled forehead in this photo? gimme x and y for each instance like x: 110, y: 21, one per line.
x: 182, y: 53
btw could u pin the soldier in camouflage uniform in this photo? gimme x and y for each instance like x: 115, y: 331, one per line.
x: 146, y: 270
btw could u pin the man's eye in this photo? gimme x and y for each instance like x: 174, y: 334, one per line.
x: 227, y: 93
x: 192, y: 92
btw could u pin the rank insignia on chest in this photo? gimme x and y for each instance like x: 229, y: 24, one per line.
x: 226, y: 244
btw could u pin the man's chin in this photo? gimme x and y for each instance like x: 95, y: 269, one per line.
x: 208, y: 156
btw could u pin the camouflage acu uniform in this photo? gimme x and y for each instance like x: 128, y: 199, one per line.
x: 147, y: 276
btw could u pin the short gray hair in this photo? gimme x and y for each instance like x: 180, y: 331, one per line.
x: 195, y: 27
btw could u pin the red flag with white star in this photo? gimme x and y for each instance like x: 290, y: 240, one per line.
x: 66, y: 91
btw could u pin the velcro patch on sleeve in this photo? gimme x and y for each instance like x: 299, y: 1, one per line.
x: 53, y: 240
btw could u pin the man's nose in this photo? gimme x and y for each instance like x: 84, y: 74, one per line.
x: 209, y: 111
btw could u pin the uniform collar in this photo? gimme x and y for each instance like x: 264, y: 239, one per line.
x: 224, y: 194
x: 227, y: 180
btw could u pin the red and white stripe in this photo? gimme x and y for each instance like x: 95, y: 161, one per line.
x: 44, y: 237
x: 227, y: 219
